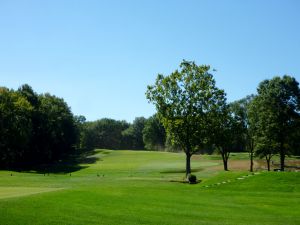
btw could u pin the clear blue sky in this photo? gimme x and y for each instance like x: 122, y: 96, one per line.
x: 100, y: 55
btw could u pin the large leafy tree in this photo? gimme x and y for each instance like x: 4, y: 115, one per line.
x: 185, y: 100
x: 277, y: 113
x: 34, y: 128
x: 15, y: 127
x: 57, y: 131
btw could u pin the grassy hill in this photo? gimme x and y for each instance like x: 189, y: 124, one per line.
x: 139, y: 187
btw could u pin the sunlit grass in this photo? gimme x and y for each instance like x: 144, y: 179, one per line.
x: 140, y: 187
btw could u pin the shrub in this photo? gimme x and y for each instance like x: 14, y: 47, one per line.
x: 192, y: 179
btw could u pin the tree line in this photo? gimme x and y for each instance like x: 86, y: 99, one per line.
x: 41, y: 129
x: 34, y: 128
x: 192, y: 115
x: 108, y: 133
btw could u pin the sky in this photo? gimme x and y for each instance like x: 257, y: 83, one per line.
x: 101, y: 55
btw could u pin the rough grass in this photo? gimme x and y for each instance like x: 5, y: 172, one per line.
x: 134, y: 187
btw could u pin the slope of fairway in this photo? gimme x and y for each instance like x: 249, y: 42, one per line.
x: 140, y: 187
x: 10, y: 192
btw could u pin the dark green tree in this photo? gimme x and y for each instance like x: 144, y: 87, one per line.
x: 137, y: 129
x: 15, y: 127
x: 154, y: 134
x: 57, y: 133
x: 104, y: 133
x: 277, y: 111
x: 227, y: 132
x: 80, y: 126
x: 133, y: 135
x: 184, y: 101
x: 34, y: 128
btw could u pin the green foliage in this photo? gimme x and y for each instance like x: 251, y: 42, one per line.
x: 275, y: 116
x: 242, y: 132
x: 113, y: 134
x: 185, y: 101
x: 15, y: 126
x: 154, y: 135
x: 57, y: 131
x: 135, y: 133
x: 243, y: 136
x: 104, y: 133
x: 226, y: 128
x: 34, y: 128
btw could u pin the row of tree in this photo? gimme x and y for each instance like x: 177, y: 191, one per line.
x: 40, y: 128
x: 113, y: 134
x: 192, y: 115
x: 196, y: 116
x: 34, y: 128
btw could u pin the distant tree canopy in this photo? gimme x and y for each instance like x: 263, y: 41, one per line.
x: 154, y: 134
x: 104, y: 133
x: 34, y: 128
x: 113, y: 134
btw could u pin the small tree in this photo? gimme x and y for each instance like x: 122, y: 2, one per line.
x: 240, y: 110
x: 266, y: 148
x: 226, y: 130
x: 185, y: 100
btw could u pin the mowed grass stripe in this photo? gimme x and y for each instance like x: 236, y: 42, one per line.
x: 12, y: 192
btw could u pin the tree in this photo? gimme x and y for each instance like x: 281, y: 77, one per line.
x: 227, y: 132
x: 34, y: 128
x: 277, y: 107
x: 184, y: 101
x: 154, y: 135
x: 104, y: 133
x: 138, y: 127
x: 57, y: 133
x: 80, y: 125
x: 240, y: 110
x: 15, y: 127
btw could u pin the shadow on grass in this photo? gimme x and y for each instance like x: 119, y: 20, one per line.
x: 180, y: 170
x: 70, y: 164
x: 185, y: 181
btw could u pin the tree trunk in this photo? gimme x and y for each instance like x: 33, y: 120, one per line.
x: 188, y: 164
x: 268, y: 163
x: 282, y: 157
x: 225, y: 160
x: 251, y: 153
x: 251, y: 160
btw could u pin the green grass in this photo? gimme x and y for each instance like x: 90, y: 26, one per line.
x: 139, y: 187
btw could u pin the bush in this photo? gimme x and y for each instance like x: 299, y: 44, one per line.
x: 192, y: 179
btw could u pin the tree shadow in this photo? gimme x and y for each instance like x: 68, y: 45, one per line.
x: 180, y: 170
x: 69, y: 164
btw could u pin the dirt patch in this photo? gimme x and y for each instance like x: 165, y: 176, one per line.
x: 236, y: 165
